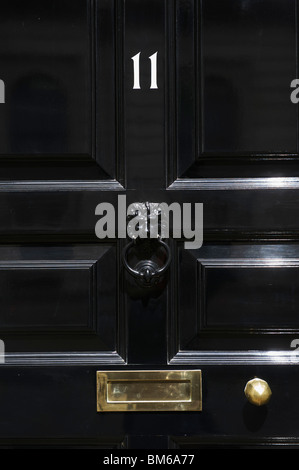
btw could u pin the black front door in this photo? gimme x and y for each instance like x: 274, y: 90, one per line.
x: 109, y: 108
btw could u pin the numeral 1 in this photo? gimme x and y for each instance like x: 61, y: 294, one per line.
x: 136, y: 71
x: 153, y: 59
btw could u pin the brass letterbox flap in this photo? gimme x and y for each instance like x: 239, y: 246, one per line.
x: 149, y: 390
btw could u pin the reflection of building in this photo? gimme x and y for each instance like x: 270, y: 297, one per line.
x: 44, y: 62
x: 246, y: 75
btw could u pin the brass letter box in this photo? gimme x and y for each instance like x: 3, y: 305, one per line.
x: 153, y: 390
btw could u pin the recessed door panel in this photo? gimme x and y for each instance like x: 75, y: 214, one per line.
x: 57, y: 122
x: 60, y: 299
x: 235, y: 62
x: 238, y: 297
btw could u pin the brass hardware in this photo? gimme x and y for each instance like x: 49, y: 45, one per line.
x: 257, y: 392
x: 155, y: 390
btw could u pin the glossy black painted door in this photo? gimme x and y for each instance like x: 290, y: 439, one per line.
x: 215, y: 125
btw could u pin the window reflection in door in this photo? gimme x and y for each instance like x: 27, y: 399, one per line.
x: 38, y: 122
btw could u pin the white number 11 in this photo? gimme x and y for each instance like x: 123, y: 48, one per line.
x: 136, y: 71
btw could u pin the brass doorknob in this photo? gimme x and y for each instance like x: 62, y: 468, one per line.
x: 257, y: 391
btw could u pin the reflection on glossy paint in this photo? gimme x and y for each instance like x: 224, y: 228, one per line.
x: 248, y: 57
x: 45, y: 65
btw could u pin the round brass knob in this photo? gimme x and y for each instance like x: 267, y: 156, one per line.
x: 257, y: 392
